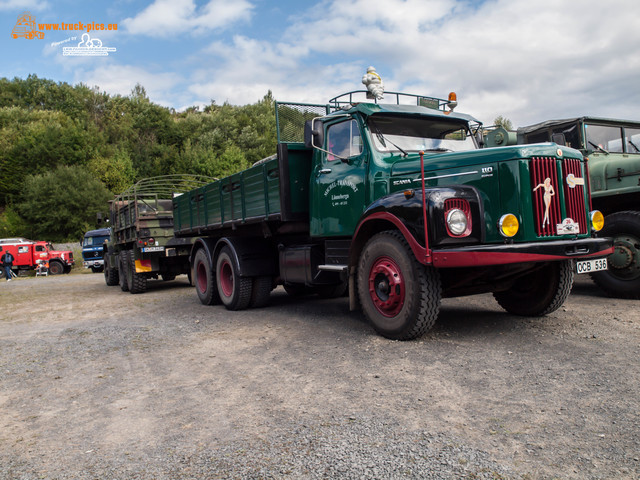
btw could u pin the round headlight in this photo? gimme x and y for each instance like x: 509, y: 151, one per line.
x: 508, y: 225
x: 456, y: 221
x: 597, y: 220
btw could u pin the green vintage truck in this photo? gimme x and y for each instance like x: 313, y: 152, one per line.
x: 395, y: 201
x: 142, y: 245
x: 613, y: 151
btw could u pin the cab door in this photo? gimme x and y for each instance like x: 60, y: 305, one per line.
x: 338, y: 180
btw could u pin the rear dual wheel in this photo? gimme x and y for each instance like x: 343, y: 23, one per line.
x: 234, y: 290
x: 223, y: 284
x: 137, y: 281
x: 204, y: 279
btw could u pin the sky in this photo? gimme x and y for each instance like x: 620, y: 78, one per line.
x: 527, y: 60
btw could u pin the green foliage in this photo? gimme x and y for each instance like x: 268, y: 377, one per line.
x: 62, y: 204
x: 115, y: 171
x: 118, y: 140
x: 11, y: 224
x: 503, y: 122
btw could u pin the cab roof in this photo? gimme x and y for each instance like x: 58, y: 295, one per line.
x: 368, y: 109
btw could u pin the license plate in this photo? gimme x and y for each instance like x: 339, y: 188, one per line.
x: 153, y: 249
x: 588, y: 266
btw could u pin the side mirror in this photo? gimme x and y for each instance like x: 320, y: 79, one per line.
x: 313, y: 133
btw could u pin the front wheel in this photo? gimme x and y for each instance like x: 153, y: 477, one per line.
x: 123, y: 264
x: 540, y: 292
x: 622, y: 279
x: 110, y: 272
x: 399, y: 295
x: 56, y: 268
x: 234, y: 290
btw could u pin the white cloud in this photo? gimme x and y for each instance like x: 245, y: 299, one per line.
x: 528, y: 61
x: 164, y: 18
x: 20, y: 5
x: 521, y: 59
x: 121, y: 79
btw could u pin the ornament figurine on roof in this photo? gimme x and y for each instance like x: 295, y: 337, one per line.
x: 374, y: 84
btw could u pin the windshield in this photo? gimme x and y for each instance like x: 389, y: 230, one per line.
x: 412, y: 134
x: 94, y: 241
x: 603, y: 137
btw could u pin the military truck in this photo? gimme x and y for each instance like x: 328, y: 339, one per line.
x: 613, y: 151
x: 396, y: 202
x: 142, y: 245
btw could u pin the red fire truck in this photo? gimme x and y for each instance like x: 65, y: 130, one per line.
x: 28, y: 254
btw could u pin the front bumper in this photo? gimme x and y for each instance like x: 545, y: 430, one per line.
x: 93, y: 263
x: 506, y: 253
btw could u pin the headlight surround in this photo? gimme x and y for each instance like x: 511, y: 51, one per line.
x: 457, y: 222
x: 508, y: 225
x: 597, y: 220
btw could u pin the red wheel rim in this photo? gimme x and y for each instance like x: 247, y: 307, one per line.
x: 202, y: 277
x: 386, y: 286
x: 226, y: 278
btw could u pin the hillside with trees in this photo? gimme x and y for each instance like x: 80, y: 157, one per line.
x: 66, y: 150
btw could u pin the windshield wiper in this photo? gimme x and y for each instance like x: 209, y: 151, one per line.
x: 383, y: 139
x: 598, y: 147
x: 634, y: 145
x: 439, y: 149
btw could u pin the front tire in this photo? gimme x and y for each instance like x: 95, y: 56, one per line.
x: 540, y: 292
x: 204, y: 279
x: 123, y: 265
x: 234, y: 290
x: 622, y: 279
x: 111, y: 277
x: 56, y: 268
x: 399, y: 295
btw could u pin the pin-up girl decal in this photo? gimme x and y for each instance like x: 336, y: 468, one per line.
x: 548, y: 193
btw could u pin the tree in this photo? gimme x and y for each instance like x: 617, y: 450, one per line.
x: 503, y: 122
x: 62, y: 204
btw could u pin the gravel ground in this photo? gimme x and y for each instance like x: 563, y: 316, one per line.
x: 100, y: 384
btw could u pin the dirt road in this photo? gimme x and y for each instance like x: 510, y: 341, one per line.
x: 96, y: 383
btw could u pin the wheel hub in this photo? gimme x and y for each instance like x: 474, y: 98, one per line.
x: 202, y: 278
x: 386, y: 286
x: 226, y: 279
x: 623, y: 254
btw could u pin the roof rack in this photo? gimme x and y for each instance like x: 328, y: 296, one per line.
x: 397, y: 98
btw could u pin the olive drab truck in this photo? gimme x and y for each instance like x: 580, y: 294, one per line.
x: 613, y: 151
x: 142, y: 245
x: 395, y: 201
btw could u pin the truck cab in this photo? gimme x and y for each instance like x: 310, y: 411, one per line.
x: 612, y: 147
x: 92, y: 249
